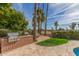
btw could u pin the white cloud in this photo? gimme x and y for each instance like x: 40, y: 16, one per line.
x: 71, y: 15
x: 61, y: 8
x: 73, y: 5
x: 74, y: 13
x: 57, y: 7
x: 70, y: 20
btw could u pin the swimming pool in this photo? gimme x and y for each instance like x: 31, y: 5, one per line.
x: 76, y: 51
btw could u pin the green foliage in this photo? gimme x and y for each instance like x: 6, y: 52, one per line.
x: 5, y: 9
x: 71, y: 34
x: 11, y: 19
x: 29, y: 31
x: 40, y: 18
x: 3, y: 32
x: 5, y: 5
x: 59, y: 34
x: 17, y: 22
x: 41, y: 13
x: 56, y: 25
x: 53, y: 42
x: 72, y: 26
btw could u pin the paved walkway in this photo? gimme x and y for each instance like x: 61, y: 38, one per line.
x: 36, y: 50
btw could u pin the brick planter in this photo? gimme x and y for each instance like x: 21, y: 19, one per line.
x: 7, y: 46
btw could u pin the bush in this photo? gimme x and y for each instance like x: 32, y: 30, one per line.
x: 29, y: 31
x: 3, y: 32
x: 73, y: 35
x: 59, y: 34
x: 66, y: 34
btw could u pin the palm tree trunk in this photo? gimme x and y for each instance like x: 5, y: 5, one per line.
x: 40, y: 26
x: 39, y: 21
x: 34, y: 23
x: 46, y: 19
x: 56, y: 28
x: 78, y: 27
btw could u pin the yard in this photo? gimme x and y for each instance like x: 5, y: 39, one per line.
x: 52, y: 42
x: 37, y: 50
x: 53, y: 39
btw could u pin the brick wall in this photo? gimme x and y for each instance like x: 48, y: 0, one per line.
x: 7, y: 46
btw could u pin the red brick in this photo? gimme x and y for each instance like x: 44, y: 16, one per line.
x: 6, y: 46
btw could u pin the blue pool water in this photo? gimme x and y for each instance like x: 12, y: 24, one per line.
x: 76, y: 51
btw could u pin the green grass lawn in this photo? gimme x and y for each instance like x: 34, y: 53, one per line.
x: 52, y: 42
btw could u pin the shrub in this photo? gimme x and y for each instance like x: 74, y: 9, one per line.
x: 59, y: 34
x: 73, y: 35
x: 29, y: 31
x: 3, y: 32
x: 66, y: 34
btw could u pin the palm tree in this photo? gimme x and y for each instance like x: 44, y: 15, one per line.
x: 40, y: 18
x: 46, y: 19
x: 43, y: 17
x: 34, y: 23
x: 72, y: 26
x: 78, y: 27
x: 56, y: 25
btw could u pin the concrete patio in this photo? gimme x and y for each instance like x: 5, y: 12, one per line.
x: 36, y: 50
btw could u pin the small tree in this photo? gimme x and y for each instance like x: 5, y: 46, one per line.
x: 56, y: 25
x: 78, y: 27
x: 72, y: 26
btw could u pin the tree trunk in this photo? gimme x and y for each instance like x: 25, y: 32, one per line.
x: 46, y: 19
x: 39, y: 21
x: 34, y: 23
x: 40, y: 25
x: 56, y: 28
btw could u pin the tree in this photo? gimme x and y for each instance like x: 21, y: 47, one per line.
x: 40, y: 18
x: 11, y: 19
x: 34, y: 22
x: 18, y: 22
x: 4, y: 14
x: 78, y: 27
x: 5, y: 5
x: 56, y: 25
x: 72, y: 26
x: 46, y: 19
x: 5, y: 8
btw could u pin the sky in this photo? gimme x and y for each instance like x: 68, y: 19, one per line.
x: 64, y: 13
